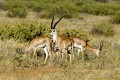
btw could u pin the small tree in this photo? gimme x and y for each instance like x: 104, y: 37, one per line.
x: 103, y: 29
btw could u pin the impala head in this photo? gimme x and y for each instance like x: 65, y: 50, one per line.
x: 53, y: 30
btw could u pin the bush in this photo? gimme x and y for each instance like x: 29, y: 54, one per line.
x: 20, y: 12
x: 98, y: 8
x: 77, y: 33
x: 61, y: 8
x: 66, y: 8
x: 38, y: 7
x: 102, y: 1
x: 45, y: 14
x: 23, y: 32
x: 116, y: 18
x: 2, y: 5
x: 103, y: 29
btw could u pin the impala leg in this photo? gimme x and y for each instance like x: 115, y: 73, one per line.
x: 57, y: 53
x: 69, y: 54
x: 35, y: 53
x: 72, y: 48
x: 59, y: 59
x: 50, y: 54
x: 79, y: 50
x: 50, y: 59
x: 70, y: 57
x: 62, y: 55
x: 97, y: 52
x: 46, y: 52
x: 82, y: 54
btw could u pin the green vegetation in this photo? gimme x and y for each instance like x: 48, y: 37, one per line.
x: 99, y: 8
x: 26, y: 32
x: 23, y: 31
x: 66, y: 8
x: 20, y: 12
x: 103, y: 29
x: 116, y: 18
x: 77, y: 33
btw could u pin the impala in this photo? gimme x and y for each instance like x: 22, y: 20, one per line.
x: 76, y: 42
x: 63, y: 43
x: 81, y: 44
x: 41, y: 42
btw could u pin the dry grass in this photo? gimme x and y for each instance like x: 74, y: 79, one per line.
x: 107, y: 67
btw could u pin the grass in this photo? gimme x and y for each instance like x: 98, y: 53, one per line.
x: 107, y: 67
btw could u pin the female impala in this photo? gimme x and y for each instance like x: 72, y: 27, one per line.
x: 63, y: 43
x: 82, y: 44
x: 41, y: 42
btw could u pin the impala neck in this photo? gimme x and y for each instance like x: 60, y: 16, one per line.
x: 55, y: 36
x: 90, y: 48
x: 93, y: 49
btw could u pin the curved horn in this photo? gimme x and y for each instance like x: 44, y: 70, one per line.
x: 57, y: 22
x: 52, y: 22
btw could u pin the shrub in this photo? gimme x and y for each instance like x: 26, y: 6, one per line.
x: 65, y: 9
x: 86, y: 6
x: 61, y: 8
x: 102, y: 1
x: 23, y: 31
x: 116, y: 18
x: 98, y: 8
x: 77, y: 33
x: 20, y: 12
x: 45, y: 14
x: 103, y: 29
x: 38, y: 7
x: 2, y: 5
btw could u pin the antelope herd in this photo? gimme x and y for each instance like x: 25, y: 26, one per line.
x: 63, y: 44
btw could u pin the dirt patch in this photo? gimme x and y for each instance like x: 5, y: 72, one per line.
x: 29, y: 72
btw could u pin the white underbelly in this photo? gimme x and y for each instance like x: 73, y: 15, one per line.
x: 77, y: 45
x: 41, y: 46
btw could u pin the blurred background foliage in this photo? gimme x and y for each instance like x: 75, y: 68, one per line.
x: 66, y: 8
